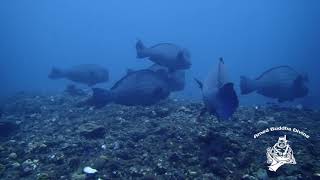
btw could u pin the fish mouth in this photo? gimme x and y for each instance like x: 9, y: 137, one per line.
x: 186, y: 65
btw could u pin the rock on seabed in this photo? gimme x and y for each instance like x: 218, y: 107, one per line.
x: 56, y: 138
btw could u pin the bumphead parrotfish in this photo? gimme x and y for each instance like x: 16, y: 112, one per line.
x: 142, y: 87
x: 165, y: 54
x: 89, y: 74
x: 282, y: 83
x: 176, y: 78
x: 218, y: 94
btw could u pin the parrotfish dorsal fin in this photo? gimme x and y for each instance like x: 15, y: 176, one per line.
x: 221, y: 73
x: 216, y: 77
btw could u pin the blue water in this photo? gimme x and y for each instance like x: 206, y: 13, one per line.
x: 252, y: 36
x: 55, y: 136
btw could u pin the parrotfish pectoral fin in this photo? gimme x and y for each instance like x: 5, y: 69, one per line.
x: 228, y: 101
x: 199, y: 83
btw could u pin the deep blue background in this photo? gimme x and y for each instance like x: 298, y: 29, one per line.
x: 252, y: 36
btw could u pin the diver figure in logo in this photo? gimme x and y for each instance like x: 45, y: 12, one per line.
x: 280, y: 154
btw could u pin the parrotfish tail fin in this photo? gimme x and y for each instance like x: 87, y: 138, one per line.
x: 100, y: 97
x: 56, y: 73
x: 141, y: 49
x: 228, y: 100
x: 246, y: 85
x: 199, y: 83
x: 221, y: 60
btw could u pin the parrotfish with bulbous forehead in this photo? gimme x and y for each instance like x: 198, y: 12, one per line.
x: 176, y: 79
x: 165, y: 54
x: 142, y: 87
x: 89, y: 74
x: 218, y: 93
x: 282, y: 83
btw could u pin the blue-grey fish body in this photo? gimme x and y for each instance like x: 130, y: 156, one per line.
x: 282, y: 83
x: 176, y: 78
x: 143, y: 87
x: 89, y: 74
x: 218, y: 94
x: 165, y: 54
